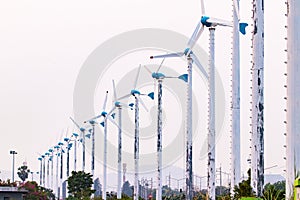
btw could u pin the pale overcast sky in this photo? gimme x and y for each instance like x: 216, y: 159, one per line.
x: 45, y: 43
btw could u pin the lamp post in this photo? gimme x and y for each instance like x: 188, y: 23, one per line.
x: 13, y: 165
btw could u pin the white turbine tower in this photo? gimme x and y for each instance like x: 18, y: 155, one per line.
x: 257, y: 147
x: 118, y: 105
x: 105, y: 116
x: 211, y: 23
x: 293, y: 96
x: 235, y: 99
x: 159, y: 77
x: 82, y: 131
x: 136, y: 94
x: 52, y: 157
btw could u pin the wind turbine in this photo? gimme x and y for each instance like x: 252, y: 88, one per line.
x: 82, y: 130
x: 211, y: 23
x: 41, y: 168
x: 136, y: 94
x: 235, y: 99
x: 118, y: 105
x: 60, y: 144
x: 47, y: 154
x: 105, y: 116
x: 159, y: 77
x: 57, y: 163
x: 75, y: 135
x: 69, y: 145
x: 51, y: 152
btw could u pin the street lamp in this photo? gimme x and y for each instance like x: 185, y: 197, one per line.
x: 13, y: 164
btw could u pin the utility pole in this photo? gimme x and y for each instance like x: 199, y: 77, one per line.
x: 13, y: 153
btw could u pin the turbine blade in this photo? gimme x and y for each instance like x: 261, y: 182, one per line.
x: 236, y: 8
x: 137, y: 77
x: 160, y: 65
x: 192, y: 38
x: 123, y: 97
x: 195, y: 39
x: 115, y: 92
x: 170, y: 55
x: 105, y: 100
x: 198, y: 64
x: 202, y: 7
x: 219, y: 22
x: 148, y: 70
x: 142, y: 103
x: 98, y: 116
x: 75, y: 122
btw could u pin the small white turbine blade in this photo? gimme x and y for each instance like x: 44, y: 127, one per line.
x: 195, y: 39
x: 137, y: 77
x: 236, y: 8
x: 219, y: 22
x: 148, y: 70
x: 124, y: 97
x: 160, y: 65
x: 198, y: 64
x: 105, y: 100
x: 202, y: 7
x: 96, y: 117
x: 192, y: 38
x: 142, y: 103
x: 170, y: 55
x: 114, y: 88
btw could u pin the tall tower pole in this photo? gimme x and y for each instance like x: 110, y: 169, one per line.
x: 235, y: 103
x: 257, y: 147
x: 159, y: 142
x: 119, y: 189
x: 189, y: 134
x: 105, y: 159
x: 293, y: 95
x: 136, y: 151
x: 211, y: 124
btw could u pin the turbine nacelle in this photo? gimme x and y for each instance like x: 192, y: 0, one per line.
x: 212, y: 22
x: 75, y: 134
x: 66, y: 139
x: 103, y: 113
x: 135, y: 92
x: 60, y: 143
x: 82, y: 129
x: 158, y: 75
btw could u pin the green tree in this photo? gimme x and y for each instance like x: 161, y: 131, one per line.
x: 244, y: 188
x: 274, y: 191
x: 80, y: 185
x: 23, y: 172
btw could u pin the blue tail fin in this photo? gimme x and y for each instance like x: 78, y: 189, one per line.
x: 243, y: 28
x: 184, y: 77
x: 151, y: 95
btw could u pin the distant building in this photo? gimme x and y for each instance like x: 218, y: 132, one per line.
x: 12, y: 193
